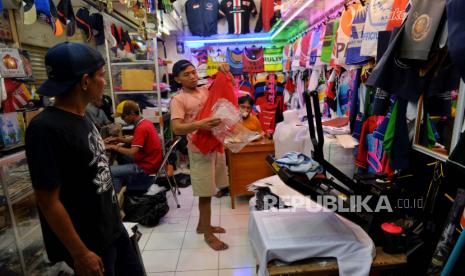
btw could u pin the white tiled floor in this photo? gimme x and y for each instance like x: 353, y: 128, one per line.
x: 173, y: 248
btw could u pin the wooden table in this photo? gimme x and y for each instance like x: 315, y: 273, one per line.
x: 248, y: 166
x: 314, y: 266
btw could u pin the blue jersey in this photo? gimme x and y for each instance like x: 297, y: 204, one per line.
x: 202, y: 16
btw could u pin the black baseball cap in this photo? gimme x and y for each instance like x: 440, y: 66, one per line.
x: 180, y: 65
x: 66, y: 63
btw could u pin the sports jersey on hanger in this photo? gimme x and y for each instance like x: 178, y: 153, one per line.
x: 202, y: 16
x: 234, y: 59
x: 252, y: 59
x: 267, y: 16
x: 376, y: 21
x: 353, y: 56
x: 215, y: 58
x: 305, y: 50
x: 237, y: 13
x: 273, y: 59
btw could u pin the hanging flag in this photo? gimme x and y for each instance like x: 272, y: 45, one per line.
x: 343, y: 35
x: 378, y: 15
x: 287, y: 57
x: 316, y: 37
x: 199, y: 60
x: 305, y: 50
x: 398, y: 14
x: 297, y: 49
x: 328, y: 41
x: 353, y: 56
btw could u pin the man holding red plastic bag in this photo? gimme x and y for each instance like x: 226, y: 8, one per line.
x: 191, y: 115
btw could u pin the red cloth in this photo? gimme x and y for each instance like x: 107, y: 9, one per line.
x: 150, y: 154
x: 267, y: 116
x: 221, y: 88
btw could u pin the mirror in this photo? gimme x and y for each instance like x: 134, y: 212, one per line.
x: 439, y: 123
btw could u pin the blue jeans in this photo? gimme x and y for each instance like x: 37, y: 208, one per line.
x: 132, y: 175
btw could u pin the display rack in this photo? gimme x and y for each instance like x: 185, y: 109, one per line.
x: 138, y: 64
x: 22, y: 251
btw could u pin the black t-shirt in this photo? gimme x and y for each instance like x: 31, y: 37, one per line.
x: 65, y: 151
x: 237, y: 14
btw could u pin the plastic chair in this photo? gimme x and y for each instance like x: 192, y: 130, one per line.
x: 164, y: 172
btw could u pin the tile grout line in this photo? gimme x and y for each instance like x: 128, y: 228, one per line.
x: 182, y: 244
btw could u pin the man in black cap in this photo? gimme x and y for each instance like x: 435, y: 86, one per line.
x: 208, y: 171
x: 70, y: 171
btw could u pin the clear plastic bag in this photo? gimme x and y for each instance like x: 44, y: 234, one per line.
x: 231, y: 132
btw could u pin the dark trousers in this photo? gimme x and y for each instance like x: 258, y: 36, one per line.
x: 121, y: 258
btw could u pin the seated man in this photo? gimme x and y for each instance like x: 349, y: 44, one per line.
x: 96, y: 114
x: 145, y: 148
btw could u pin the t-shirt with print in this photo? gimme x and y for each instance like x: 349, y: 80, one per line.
x: 186, y: 106
x: 273, y: 59
x: 150, y: 153
x: 252, y: 59
x: 65, y: 151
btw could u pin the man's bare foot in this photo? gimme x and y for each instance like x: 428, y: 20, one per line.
x: 214, y: 229
x: 215, y: 243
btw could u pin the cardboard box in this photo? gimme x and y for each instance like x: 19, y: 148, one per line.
x: 137, y: 80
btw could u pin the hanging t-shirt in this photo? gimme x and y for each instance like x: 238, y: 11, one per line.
x: 84, y: 181
x: 305, y: 50
x: 376, y: 21
x: 273, y: 58
x: 202, y: 16
x: 328, y: 41
x: 252, y: 58
x: 199, y: 60
x: 237, y: 14
x: 316, y: 38
x: 234, y: 59
x: 353, y: 56
x: 343, y: 35
x: 398, y: 14
x: 215, y: 58
x: 297, y: 49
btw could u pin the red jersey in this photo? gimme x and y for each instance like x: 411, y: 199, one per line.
x: 253, y: 61
x: 150, y: 154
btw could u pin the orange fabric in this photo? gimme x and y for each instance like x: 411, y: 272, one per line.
x: 252, y: 123
x: 221, y: 88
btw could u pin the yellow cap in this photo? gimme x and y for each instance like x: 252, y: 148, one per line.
x: 126, y: 107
